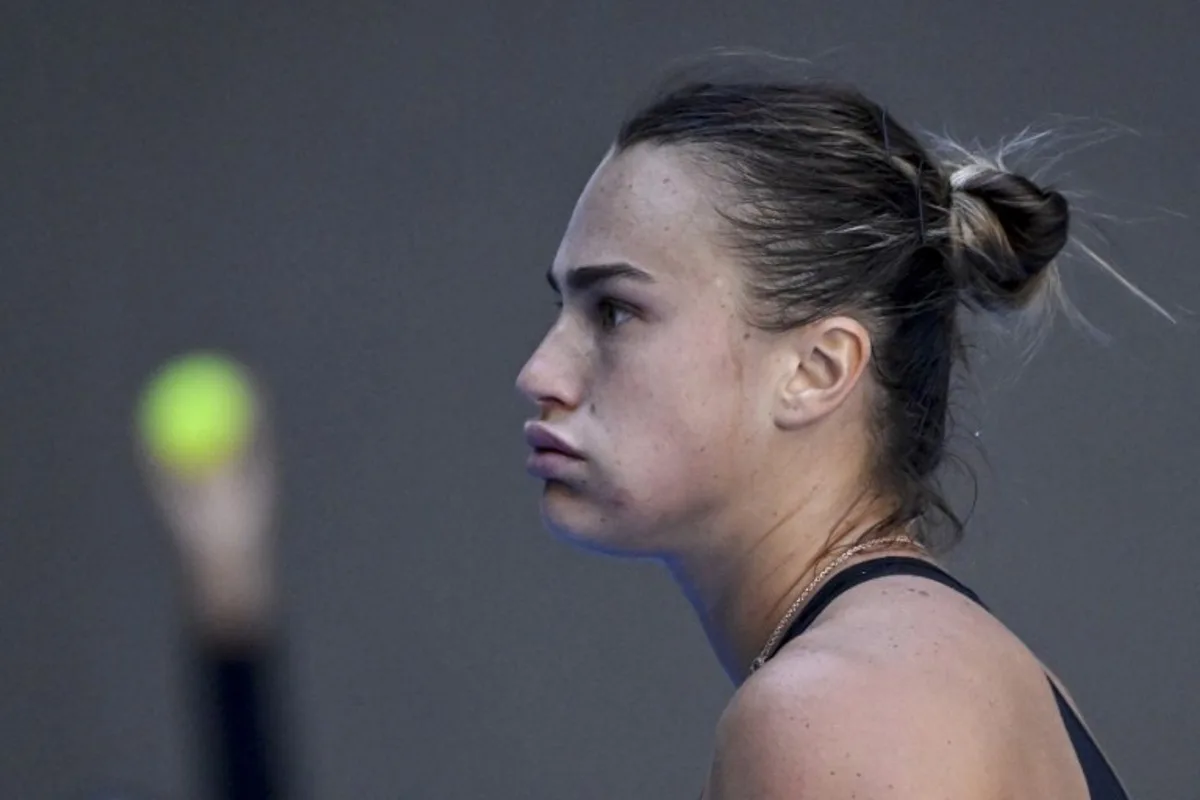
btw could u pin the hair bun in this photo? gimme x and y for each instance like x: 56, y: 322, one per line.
x: 1005, y: 231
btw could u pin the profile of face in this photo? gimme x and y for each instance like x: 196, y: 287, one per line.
x: 649, y: 376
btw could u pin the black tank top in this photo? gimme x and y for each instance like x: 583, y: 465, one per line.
x: 1102, y: 781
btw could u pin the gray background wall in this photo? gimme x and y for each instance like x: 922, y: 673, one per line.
x: 360, y: 199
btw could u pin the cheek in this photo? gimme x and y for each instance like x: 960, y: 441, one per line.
x: 674, y: 424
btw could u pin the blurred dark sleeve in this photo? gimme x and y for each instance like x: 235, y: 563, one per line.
x: 239, y: 694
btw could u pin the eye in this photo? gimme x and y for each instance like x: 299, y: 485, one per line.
x: 612, y: 313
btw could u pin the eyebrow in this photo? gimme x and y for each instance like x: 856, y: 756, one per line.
x: 581, y: 278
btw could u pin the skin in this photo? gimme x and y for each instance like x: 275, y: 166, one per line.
x: 734, y: 456
x: 221, y: 522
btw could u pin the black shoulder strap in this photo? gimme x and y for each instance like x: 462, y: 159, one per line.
x: 1102, y: 781
x: 861, y: 573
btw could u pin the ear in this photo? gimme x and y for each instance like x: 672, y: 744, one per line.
x: 826, y: 360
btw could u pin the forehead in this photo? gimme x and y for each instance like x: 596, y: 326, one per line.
x: 649, y: 206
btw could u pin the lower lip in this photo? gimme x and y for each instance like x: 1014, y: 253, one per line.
x: 551, y: 464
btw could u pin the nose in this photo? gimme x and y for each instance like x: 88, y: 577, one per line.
x: 546, y: 379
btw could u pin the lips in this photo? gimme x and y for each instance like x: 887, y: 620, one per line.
x: 543, y: 440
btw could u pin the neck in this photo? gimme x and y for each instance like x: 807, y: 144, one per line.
x: 742, y: 587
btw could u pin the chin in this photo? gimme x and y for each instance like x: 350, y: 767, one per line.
x: 578, y: 521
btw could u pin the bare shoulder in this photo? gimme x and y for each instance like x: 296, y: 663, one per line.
x: 827, y: 727
x: 901, y: 692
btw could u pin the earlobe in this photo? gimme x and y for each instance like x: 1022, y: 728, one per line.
x: 825, y: 366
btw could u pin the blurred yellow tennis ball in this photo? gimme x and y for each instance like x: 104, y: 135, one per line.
x: 196, y: 413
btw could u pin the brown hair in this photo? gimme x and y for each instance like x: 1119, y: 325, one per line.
x: 835, y: 207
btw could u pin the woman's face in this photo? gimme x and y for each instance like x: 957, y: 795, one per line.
x: 648, y: 373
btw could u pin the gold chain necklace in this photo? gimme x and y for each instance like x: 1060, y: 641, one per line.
x: 795, y: 607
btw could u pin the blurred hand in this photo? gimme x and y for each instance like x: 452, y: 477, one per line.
x: 221, y: 523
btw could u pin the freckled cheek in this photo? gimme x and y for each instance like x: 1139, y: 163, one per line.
x: 664, y: 425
